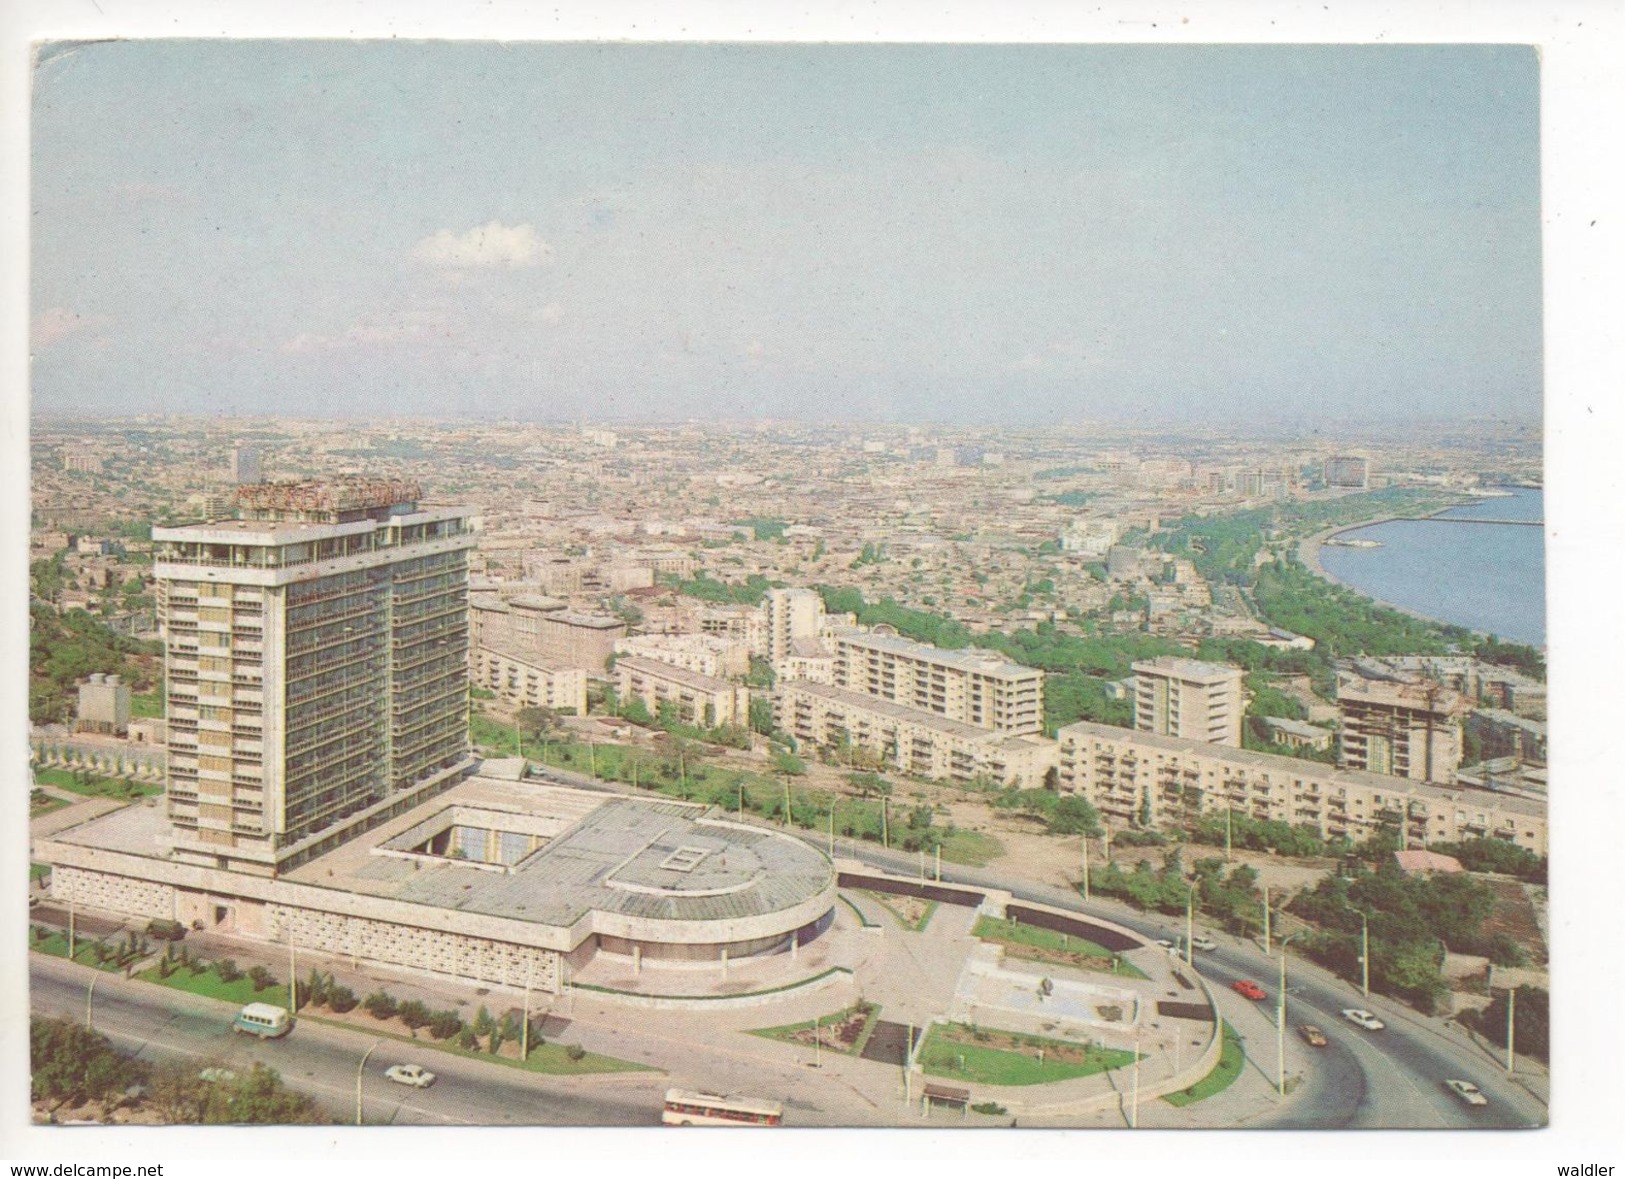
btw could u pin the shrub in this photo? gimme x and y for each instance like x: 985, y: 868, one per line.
x: 483, y: 1022
x: 227, y: 970
x: 467, y: 1040
x: 341, y: 999
x: 445, y: 1024
x: 414, y: 1013
x: 575, y: 1052
x: 260, y: 977
x: 380, y: 1005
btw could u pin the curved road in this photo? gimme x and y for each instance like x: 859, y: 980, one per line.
x: 1391, y: 1079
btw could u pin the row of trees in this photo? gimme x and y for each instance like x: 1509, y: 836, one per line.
x: 72, y: 1066
x: 1413, y: 921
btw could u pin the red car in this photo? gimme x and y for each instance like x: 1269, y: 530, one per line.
x: 1247, y: 989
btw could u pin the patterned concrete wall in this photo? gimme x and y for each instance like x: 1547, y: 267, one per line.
x: 433, y: 951
x: 118, y: 894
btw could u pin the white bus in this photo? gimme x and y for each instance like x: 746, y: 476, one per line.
x: 685, y: 1108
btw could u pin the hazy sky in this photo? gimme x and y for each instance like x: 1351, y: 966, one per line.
x: 1024, y: 234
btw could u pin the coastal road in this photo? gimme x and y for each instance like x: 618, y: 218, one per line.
x: 1390, y: 1079
x: 159, y: 1024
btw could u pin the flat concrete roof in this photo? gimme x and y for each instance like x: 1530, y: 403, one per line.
x: 649, y: 858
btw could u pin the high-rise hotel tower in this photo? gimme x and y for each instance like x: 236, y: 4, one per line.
x: 315, y: 667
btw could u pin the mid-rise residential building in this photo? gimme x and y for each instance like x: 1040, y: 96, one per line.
x: 530, y: 683
x: 1410, y: 729
x: 1189, y: 698
x: 792, y: 614
x: 1138, y: 778
x: 315, y: 668
x: 543, y: 630
x: 972, y: 686
x: 706, y: 654
x: 694, y: 698
x: 912, y: 739
x: 746, y: 624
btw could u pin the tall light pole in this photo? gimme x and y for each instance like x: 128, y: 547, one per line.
x: 1280, y: 1023
x: 293, y: 976
x: 1190, y: 918
x: 1134, y: 1106
x: 1365, y: 955
x: 1227, y: 813
x: 1512, y: 1002
x: 360, y: 1071
x: 1266, y: 921
x: 524, y: 1028
x: 1085, y: 867
x: 90, y: 992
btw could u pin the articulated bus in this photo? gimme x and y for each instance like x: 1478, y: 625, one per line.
x: 684, y: 1108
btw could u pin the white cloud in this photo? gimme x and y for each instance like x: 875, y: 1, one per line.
x: 485, y: 246
x: 54, y: 323
x: 407, y: 327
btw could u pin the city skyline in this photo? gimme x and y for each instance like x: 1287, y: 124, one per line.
x: 1010, y: 235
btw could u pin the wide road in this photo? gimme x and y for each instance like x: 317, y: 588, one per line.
x: 159, y: 1024
x: 1362, y: 1080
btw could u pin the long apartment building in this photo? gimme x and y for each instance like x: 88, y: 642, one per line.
x: 315, y: 668
x: 974, y: 687
x: 1129, y: 776
x: 695, y: 699
x: 912, y: 739
x: 1411, y: 730
x: 1188, y: 698
x: 544, y: 630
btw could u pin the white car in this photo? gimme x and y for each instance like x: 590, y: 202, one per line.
x: 1467, y: 1091
x: 410, y: 1074
x: 1363, y: 1019
x: 1203, y: 942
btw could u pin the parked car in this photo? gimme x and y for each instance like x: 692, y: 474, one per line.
x: 1312, y: 1035
x: 1202, y: 942
x: 1363, y: 1019
x: 1247, y: 989
x: 410, y: 1074
x: 1467, y: 1091
x: 1168, y: 945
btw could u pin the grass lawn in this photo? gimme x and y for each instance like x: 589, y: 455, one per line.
x: 971, y: 848
x: 911, y: 912
x: 841, y: 1031
x: 544, y: 1058
x: 147, y: 704
x: 553, y: 1059
x: 1055, y: 947
x: 1007, y: 1058
x: 40, y: 803
x: 97, y: 787
x: 209, y: 983
x: 56, y: 945
x: 1231, y: 1060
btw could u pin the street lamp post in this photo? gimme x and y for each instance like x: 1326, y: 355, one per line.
x: 1134, y: 1106
x: 524, y: 1030
x: 1280, y: 1023
x: 1085, y: 867
x: 90, y: 992
x: 360, y: 1072
x: 1190, y: 919
x: 1266, y: 921
x: 1365, y: 955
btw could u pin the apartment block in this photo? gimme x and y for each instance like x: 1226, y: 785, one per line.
x: 1190, y: 699
x: 315, y: 667
x: 973, y: 687
x: 914, y: 740
x: 792, y: 615
x: 543, y: 630
x: 530, y: 683
x: 1130, y: 776
x: 698, y: 699
x: 104, y: 705
x: 706, y: 654
x: 1408, y: 729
